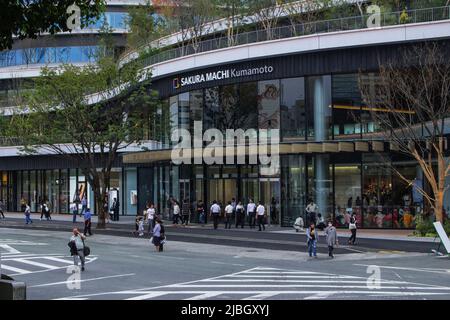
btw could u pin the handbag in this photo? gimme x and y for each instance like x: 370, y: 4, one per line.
x: 86, y: 251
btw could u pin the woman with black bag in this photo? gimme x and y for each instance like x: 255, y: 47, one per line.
x: 77, y: 248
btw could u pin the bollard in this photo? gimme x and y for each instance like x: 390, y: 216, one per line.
x: 12, y: 290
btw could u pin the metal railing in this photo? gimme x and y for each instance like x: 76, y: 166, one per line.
x: 303, y: 29
x: 10, y: 141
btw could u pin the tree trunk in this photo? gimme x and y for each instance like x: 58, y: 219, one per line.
x: 101, y: 214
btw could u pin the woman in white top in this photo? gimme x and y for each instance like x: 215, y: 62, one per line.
x: 151, y: 217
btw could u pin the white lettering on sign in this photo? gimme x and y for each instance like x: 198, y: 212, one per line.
x: 220, y: 75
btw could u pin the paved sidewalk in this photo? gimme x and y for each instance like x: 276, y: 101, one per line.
x: 384, y: 234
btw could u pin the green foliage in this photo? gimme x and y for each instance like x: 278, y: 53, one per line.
x: 424, y: 226
x: 143, y: 25
x: 27, y: 19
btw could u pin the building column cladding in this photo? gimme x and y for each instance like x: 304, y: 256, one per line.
x: 322, y: 116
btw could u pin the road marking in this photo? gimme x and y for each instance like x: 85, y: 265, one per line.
x: 37, y: 264
x: 83, y: 280
x: 430, y: 270
x: 148, y: 296
x: 204, y: 296
x: 316, y: 286
x: 58, y: 260
x: 261, y: 296
x: 14, y: 269
x: 8, y: 248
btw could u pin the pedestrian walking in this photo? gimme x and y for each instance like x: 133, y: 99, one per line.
x: 332, y: 239
x: 261, y: 216
x: 115, y: 209
x: 312, y: 210
x: 76, y: 245
x: 47, y: 212
x: 185, y: 212
x: 74, y: 210
x: 201, y: 213
x: 27, y: 214
x: 234, y: 204
x: 157, y: 235
x: 176, y: 212
x: 215, y: 213
x: 240, y: 215
x: 162, y: 236
x: 141, y: 226
x: 2, y: 209
x: 151, y: 212
x: 87, y: 222
x: 251, y: 213
x: 312, y: 237
x: 352, y: 227
x: 41, y: 206
x: 228, y: 215
x: 83, y: 205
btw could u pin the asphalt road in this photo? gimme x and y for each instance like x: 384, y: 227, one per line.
x: 248, y: 238
x: 129, y: 268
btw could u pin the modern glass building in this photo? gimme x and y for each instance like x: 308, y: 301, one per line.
x: 305, y: 86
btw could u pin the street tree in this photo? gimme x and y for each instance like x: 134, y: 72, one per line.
x: 411, y: 105
x: 87, y: 115
x: 28, y: 19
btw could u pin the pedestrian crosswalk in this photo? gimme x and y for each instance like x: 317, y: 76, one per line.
x: 15, y: 264
x: 273, y: 283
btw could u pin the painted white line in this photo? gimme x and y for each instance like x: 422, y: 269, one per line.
x: 430, y: 270
x: 261, y: 296
x: 14, y: 269
x: 265, y: 293
x: 293, y: 277
x: 305, y: 281
x: 282, y: 272
x: 8, y: 248
x: 306, y: 286
x: 88, y: 260
x: 58, y: 260
x: 148, y: 296
x: 79, y: 281
x: 204, y: 296
x: 37, y: 264
x: 319, y: 296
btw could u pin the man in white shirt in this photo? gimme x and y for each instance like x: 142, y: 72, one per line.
x: 251, y: 212
x: 312, y: 210
x: 260, y: 211
x: 215, y: 213
x: 176, y: 212
x: 151, y: 217
x: 229, y: 209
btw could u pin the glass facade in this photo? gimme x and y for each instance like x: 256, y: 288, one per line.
x: 47, y: 55
x: 311, y: 109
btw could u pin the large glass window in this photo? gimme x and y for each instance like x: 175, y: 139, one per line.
x: 292, y: 108
x: 293, y: 188
x: 346, y: 107
x: 347, y: 191
x: 377, y: 191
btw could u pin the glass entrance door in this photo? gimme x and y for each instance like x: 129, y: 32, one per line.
x: 185, y: 190
x: 222, y: 190
x: 270, y: 197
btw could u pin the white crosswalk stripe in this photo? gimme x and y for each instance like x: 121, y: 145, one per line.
x: 21, y: 264
x: 270, y: 283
